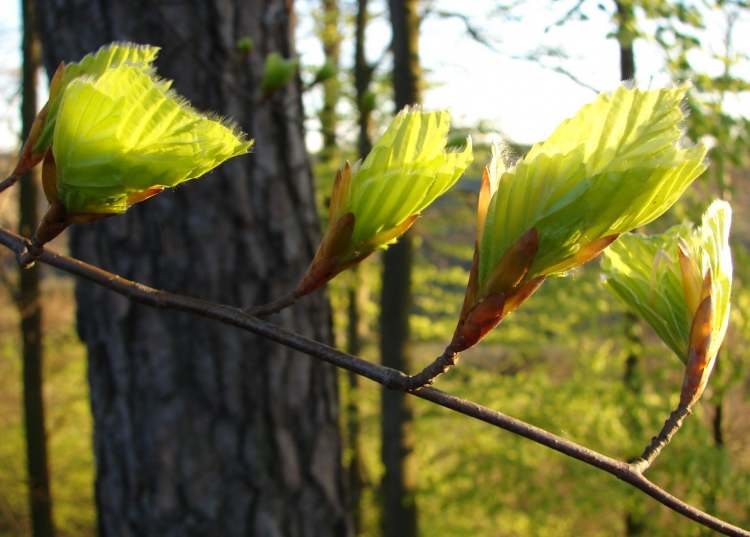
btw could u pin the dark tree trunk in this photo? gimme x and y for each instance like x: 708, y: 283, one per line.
x: 40, y: 498
x: 625, y: 19
x: 362, y: 79
x: 200, y: 429
x: 399, y: 479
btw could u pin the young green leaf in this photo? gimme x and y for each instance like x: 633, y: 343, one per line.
x: 680, y: 283
x: 407, y: 169
x: 123, y: 136
x: 615, y: 166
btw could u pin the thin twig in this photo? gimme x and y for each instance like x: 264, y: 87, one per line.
x: 8, y: 182
x: 660, y: 441
x: 390, y: 378
x: 276, y: 306
x: 440, y: 365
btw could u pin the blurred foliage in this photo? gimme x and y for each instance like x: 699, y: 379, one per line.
x: 68, y: 418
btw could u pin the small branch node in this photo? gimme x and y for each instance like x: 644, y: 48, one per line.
x: 30, y: 254
x: 395, y: 380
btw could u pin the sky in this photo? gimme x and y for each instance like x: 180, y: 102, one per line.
x: 520, y: 99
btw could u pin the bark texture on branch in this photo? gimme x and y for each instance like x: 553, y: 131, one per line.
x: 202, y: 430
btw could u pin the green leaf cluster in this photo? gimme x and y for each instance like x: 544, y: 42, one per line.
x: 616, y: 165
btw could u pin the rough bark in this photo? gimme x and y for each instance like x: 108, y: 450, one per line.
x: 399, y: 479
x: 200, y: 429
x: 30, y: 307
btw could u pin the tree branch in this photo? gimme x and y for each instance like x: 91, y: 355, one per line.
x: 390, y: 378
x: 273, y: 307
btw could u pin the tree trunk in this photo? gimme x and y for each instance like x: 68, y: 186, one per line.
x: 40, y: 498
x: 362, y: 79
x: 201, y: 429
x: 357, y: 472
x: 625, y: 20
x: 635, y: 523
x: 399, y: 479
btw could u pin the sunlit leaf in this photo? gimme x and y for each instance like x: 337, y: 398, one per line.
x: 614, y: 166
x: 406, y: 170
x: 122, y: 135
x: 95, y: 65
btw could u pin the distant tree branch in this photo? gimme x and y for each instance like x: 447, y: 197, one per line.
x: 537, y: 56
x: 572, y: 12
x: 476, y: 33
x: 390, y: 378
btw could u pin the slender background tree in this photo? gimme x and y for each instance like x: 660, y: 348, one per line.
x: 29, y: 299
x: 399, y: 479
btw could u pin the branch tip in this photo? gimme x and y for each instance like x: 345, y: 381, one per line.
x: 427, y: 376
x: 9, y: 182
x: 264, y: 310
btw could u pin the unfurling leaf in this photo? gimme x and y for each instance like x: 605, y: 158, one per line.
x: 123, y: 137
x: 93, y: 66
x: 680, y: 283
x: 407, y: 169
x: 615, y: 166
